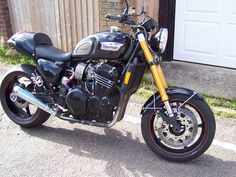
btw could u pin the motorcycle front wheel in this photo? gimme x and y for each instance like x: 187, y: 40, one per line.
x: 197, y: 123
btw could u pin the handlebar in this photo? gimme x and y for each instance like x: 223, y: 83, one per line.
x: 115, y: 17
x: 125, y: 18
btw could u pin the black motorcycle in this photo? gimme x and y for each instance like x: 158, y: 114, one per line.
x: 93, y: 84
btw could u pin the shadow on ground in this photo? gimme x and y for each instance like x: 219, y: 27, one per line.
x: 123, y: 152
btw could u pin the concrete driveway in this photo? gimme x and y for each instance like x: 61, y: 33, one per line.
x: 62, y: 149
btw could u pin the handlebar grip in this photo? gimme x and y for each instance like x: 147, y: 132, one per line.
x: 114, y: 17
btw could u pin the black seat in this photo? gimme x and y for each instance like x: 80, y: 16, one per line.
x: 44, y: 49
x: 37, y: 44
x: 51, y: 53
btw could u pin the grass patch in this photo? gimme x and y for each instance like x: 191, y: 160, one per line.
x: 221, y: 102
x: 218, y: 112
x: 15, y: 58
x: 143, y: 93
x: 222, y: 107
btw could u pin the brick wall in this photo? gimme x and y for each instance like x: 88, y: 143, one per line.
x: 109, y: 7
x: 114, y: 7
x: 5, y: 24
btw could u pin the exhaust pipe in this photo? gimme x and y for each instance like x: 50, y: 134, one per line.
x: 27, y: 96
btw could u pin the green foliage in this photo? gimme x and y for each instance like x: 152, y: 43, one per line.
x: 143, y: 93
x: 221, y: 102
x: 147, y: 83
x: 224, y: 113
x: 16, y: 58
x: 222, y: 107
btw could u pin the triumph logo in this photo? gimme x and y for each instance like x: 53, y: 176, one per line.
x: 111, y: 46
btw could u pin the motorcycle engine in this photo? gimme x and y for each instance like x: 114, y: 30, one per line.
x: 95, y: 95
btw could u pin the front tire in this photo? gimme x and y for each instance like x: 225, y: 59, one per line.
x: 20, y: 111
x: 197, y: 132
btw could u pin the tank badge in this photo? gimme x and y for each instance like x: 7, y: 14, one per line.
x: 111, y: 46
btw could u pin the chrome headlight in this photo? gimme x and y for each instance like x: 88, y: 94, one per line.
x: 162, y: 38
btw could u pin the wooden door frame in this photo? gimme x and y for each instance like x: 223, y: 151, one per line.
x: 167, y: 20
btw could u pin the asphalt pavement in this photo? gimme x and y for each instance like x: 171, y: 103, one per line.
x: 62, y: 149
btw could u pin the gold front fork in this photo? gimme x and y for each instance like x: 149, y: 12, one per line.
x: 156, y: 70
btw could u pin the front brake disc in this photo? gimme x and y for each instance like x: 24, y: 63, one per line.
x: 185, y: 136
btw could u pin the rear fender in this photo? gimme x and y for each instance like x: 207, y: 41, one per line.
x: 25, y: 68
x: 170, y: 91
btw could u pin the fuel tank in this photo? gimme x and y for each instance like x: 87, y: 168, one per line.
x: 103, y: 45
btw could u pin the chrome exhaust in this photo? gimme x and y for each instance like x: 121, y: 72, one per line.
x: 29, y: 97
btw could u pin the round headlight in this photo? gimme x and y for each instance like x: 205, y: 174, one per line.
x: 162, y: 38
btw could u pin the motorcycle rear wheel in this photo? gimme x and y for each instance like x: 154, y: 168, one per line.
x: 198, y: 130
x: 20, y: 111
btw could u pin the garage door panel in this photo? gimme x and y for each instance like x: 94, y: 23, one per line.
x: 232, y: 19
x: 197, y: 6
x: 231, y: 7
x: 231, y: 62
x: 230, y: 41
x: 206, y: 43
x: 201, y: 17
x: 201, y: 58
x: 205, y: 32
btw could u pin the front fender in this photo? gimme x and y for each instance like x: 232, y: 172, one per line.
x: 170, y: 91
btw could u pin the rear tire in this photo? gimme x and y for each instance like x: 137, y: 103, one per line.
x: 163, y: 149
x: 17, y: 115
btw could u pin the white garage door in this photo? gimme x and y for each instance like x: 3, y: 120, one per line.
x: 205, y: 32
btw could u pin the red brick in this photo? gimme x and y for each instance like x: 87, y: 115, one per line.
x: 114, y: 7
x: 5, y: 23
